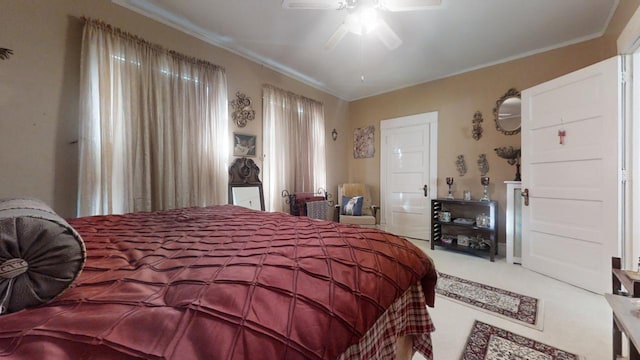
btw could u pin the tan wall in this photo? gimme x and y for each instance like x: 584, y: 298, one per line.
x: 39, y: 93
x: 39, y: 98
x: 457, y: 98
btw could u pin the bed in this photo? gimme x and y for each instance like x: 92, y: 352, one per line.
x: 227, y: 282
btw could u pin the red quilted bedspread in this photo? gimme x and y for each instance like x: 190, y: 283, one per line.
x: 222, y: 282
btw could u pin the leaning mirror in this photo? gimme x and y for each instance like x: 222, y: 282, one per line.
x: 507, y: 112
x: 245, y: 188
x: 247, y: 196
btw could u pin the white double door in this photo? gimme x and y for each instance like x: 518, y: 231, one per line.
x: 408, y: 164
x: 572, y: 223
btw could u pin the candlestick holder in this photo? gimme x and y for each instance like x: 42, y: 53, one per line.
x: 450, y: 183
x: 484, y: 180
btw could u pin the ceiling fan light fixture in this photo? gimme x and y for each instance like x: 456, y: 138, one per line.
x: 352, y: 23
x: 369, y: 19
x: 363, y: 18
x: 363, y: 21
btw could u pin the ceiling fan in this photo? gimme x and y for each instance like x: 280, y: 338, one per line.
x: 362, y: 17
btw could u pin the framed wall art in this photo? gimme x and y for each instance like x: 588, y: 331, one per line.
x: 363, y: 142
x: 244, y: 145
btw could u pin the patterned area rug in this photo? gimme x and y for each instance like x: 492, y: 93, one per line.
x: 488, y: 342
x: 522, y: 309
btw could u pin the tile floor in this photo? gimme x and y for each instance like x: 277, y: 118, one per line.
x: 574, y: 320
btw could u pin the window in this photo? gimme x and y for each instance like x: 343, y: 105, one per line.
x: 153, y: 126
x: 294, y: 145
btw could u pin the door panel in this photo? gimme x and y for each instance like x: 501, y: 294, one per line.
x: 407, y: 161
x: 577, y: 98
x: 578, y: 219
x: 406, y: 182
x: 580, y: 145
x: 568, y: 180
x: 407, y: 164
x: 409, y: 148
x: 571, y: 227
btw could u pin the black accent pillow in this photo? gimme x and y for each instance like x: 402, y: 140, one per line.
x: 40, y: 254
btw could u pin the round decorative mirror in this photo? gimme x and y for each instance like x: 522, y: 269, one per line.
x: 507, y: 113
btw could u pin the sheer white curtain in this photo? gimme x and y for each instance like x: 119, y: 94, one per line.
x: 294, y: 145
x: 153, y: 126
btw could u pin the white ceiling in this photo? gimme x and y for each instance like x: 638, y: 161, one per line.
x: 459, y: 36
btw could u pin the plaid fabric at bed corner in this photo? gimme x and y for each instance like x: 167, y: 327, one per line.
x: 408, y: 315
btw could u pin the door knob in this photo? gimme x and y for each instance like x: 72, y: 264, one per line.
x: 426, y: 190
x: 525, y: 194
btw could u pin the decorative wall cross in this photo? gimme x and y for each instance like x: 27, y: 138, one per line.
x: 561, y: 132
x: 561, y: 135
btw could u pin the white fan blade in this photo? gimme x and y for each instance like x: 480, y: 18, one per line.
x: 387, y: 35
x: 336, y: 37
x: 313, y: 4
x: 409, y: 5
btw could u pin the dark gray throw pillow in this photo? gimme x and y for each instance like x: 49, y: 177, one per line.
x: 40, y: 254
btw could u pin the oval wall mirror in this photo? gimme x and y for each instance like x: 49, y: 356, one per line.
x: 507, y: 112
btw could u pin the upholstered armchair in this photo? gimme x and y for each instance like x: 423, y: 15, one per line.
x: 354, y: 205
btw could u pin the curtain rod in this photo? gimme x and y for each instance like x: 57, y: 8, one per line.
x: 126, y: 35
x: 290, y: 93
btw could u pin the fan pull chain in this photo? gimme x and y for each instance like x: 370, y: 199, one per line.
x: 361, y: 56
